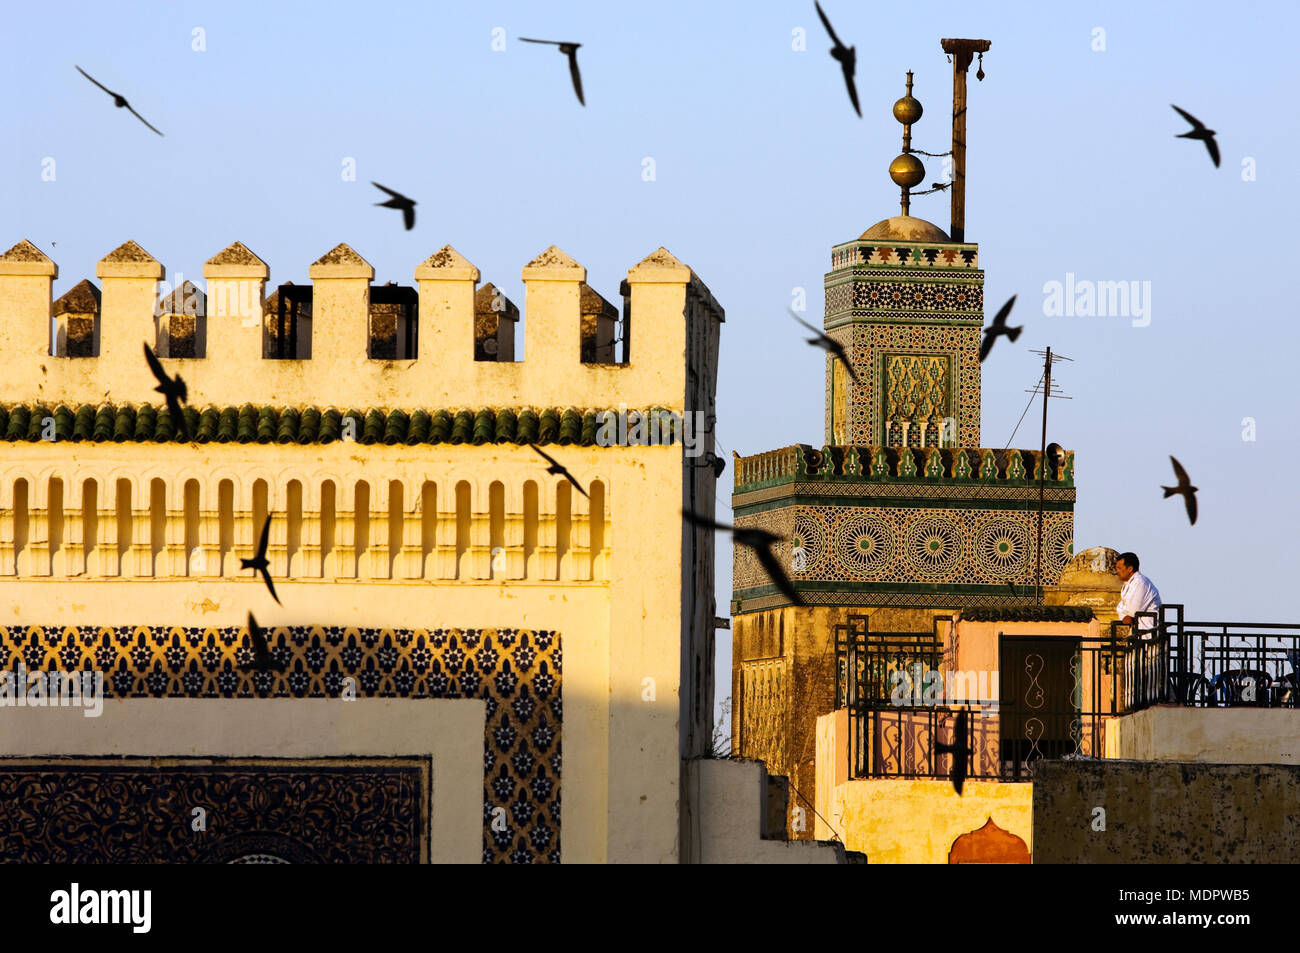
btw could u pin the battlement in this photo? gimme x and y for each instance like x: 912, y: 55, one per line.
x: 344, y: 341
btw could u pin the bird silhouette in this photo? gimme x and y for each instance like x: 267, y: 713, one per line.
x: 558, y: 469
x: 1184, y: 489
x: 174, y: 390
x: 827, y: 344
x: 846, y: 56
x: 999, y: 326
x: 960, y: 750
x: 118, y: 99
x: 761, y: 542
x: 1199, y: 132
x: 262, y: 660
x: 399, y: 200
x: 259, y: 562
x: 571, y: 51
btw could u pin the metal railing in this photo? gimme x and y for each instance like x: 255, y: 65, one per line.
x: 1231, y: 663
x: 899, y: 691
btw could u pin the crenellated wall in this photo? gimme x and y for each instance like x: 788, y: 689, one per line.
x: 558, y: 305
x: 434, y: 514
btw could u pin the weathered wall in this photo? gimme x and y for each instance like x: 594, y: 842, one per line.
x: 907, y: 821
x: 1217, y: 735
x: 1168, y: 813
x: 728, y: 803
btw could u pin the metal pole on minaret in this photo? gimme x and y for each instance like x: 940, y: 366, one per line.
x: 1042, y: 473
x: 962, y: 52
x: 1048, y: 360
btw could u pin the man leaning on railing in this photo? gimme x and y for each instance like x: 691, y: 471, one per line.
x: 1137, y: 596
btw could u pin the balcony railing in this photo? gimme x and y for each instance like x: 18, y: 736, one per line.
x: 903, y: 697
x: 1231, y: 663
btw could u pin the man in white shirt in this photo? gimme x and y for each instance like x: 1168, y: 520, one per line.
x: 1138, y: 594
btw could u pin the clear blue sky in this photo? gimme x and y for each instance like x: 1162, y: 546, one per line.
x: 761, y: 166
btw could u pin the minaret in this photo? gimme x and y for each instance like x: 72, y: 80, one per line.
x: 907, y: 303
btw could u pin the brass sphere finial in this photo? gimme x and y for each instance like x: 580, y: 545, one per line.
x: 907, y: 171
x: 908, y: 110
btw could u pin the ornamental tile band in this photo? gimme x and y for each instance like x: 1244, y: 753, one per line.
x: 516, y: 671
x: 904, y: 548
x: 271, y: 811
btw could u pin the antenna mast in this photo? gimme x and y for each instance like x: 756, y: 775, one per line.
x: 1048, y: 359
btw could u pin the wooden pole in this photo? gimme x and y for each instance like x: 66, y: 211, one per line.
x: 962, y: 52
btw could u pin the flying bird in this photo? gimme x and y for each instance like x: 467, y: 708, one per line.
x: 999, y: 326
x: 174, y: 391
x: 259, y: 562
x: 557, y: 469
x: 1184, y: 488
x: 118, y: 99
x: 827, y: 344
x: 1199, y: 132
x: 960, y: 750
x: 262, y: 660
x: 761, y: 542
x: 571, y: 51
x: 399, y: 200
x: 846, y: 56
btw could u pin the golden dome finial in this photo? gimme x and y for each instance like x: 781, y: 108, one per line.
x: 906, y: 170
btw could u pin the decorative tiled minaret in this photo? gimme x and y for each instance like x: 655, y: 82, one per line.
x: 901, y: 520
x: 907, y: 304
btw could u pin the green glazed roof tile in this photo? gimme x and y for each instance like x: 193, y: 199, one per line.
x: 527, y: 427
x: 548, y: 427
x: 418, y: 432
x: 17, y: 429
x: 462, y: 427
x: 228, y: 425
x: 331, y: 426
x: 308, y: 425
x: 372, y: 427
x: 506, y: 424
x: 124, y: 425
x: 484, y: 427
x: 37, y: 422
x: 84, y: 427
x: 145, y: 419
x: 290, y: 423
x: 268, y: 423
x: 209, y: 421
x: 440, y: 427
x: 104, y: 422
x: 570, y: 428
x: 64, y: 420
x: 396, y: 427
x: 246, y: 424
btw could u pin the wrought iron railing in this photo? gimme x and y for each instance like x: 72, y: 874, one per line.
x: 1231, y: 663
x: 903, y: 696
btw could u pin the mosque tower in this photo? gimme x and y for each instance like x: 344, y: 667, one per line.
x: 902, y: 519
